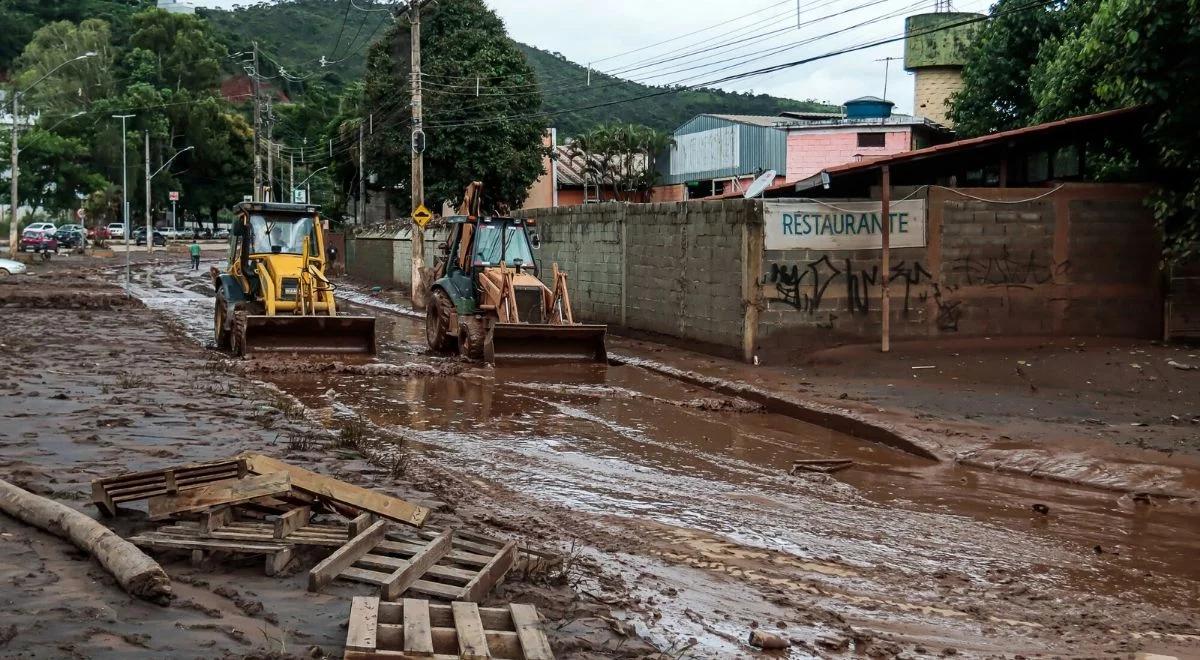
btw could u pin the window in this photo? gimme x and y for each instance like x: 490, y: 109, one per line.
x: 872, y: 139
x: 282, y: 235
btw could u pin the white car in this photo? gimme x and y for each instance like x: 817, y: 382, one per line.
x: 116, y: 229
x: 10, y: 267
x: 47, y: 227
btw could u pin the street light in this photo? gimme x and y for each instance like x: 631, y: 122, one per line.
x: 149, y: 224
x: 306, y: 199
x: 13, y: 231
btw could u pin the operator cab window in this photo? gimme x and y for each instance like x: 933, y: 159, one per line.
x: 515, y: 247
x: 282, y: 235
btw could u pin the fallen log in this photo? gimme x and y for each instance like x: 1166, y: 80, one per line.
x: 137, y: 574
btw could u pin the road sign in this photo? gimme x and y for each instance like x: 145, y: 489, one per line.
x: 174, y: 197
x: 422, y: 216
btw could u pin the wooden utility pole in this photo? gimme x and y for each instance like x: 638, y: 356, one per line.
x: 418, y: 157
x: 257, y: 124
x: 362, y: 182
x: 270, y: 196
x: 291, y: 196
x: 14, y: 230
x: 886, y: 232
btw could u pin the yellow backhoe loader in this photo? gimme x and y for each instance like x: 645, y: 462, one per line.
x: 273, y: 295
x: 487, y: 300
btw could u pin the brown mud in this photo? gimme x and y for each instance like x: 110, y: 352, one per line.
x: 671, y: 501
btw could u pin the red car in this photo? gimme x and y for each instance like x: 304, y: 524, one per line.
x: 38, y: 241
x: 99, y: 233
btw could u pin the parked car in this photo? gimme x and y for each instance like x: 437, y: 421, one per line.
x: 69, y: 237
x: 159, y: 239
x: 33, y: 240
x: 116, y: 229
x: 222, y: 234
x: 200, y: 234
x: 42, y: 226
x: 10, y: 267
x: 99, y: 233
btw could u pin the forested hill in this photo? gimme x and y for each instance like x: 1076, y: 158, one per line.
x: 299, y: 32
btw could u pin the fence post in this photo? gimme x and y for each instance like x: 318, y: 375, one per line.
x: 752, y: 258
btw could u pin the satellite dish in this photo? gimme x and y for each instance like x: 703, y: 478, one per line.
x: 760, y: 184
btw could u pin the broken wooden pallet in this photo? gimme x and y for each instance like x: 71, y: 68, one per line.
x: 219, y: 530
x: 340, y: 492
x: 107, y: 493
x: 436, y: 564
x: 821, y: 465
x: 417, y: 629
x: 218, y: 494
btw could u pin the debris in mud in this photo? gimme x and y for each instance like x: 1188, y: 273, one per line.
x: 767, y: 641
x: 1041, y: 508
x: 821, y: 465
x: 1181, y: 366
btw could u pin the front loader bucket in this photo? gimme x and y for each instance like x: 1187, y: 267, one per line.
x: 517, y: 342
x: 310, y: 334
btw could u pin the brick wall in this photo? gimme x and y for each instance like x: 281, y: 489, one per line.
x: 677, y: 270
x: 811, y: 151
x: 1081, y: 261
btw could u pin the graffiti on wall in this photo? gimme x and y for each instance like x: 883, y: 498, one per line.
x: 806, y: 287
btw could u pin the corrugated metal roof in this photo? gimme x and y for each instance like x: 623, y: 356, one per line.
x: 765, y: 121
x: 572, y: 167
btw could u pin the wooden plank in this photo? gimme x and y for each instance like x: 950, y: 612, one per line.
x: 291, y: 521
x: 345, y: 556
x: 361, y: 522
x: 278, y: 561
x: 529, y: 630
x: 216, y: 519
x: 457, y: 556
x: 144, y: 474
x: 402, y: 578
x: 206, y: 544
x: 471, y: 642
x: 417, y: 635
x: 494, y: 618
x: 385, y: 563
x: 437, y: 590
x: 491, y: 574
x: 222, y: 492
x: 364, y: 616
x: 102, y: 500
x: 368, y: 576
x: 488, y: 548
x: 169, y: 482
x: 129, y: 494
x: 339, y: 491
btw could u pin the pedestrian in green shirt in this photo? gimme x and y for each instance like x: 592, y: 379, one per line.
x: 194, y: 248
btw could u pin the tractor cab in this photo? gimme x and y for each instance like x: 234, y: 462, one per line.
x: 477, y: 245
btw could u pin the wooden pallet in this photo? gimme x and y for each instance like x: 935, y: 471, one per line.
x: 417, y: 629
x: 107, y: 493
x: 220, y: 531
x: 437, y: 564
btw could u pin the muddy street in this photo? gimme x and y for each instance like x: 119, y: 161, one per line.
x: 685, y: 493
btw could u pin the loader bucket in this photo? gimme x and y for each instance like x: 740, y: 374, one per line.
x: 310, y: 334
x: 518, y: 342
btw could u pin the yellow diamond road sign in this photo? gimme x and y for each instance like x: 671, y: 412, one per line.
x: 421, y: 216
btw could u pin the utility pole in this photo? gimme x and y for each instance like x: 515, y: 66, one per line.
x: 418, y: 156
x: 359, y: 215
x: 257, y: 123
x: 14, y: 233
x: 270, y: 196
x: 125, y: 195
x: 149, y: 224
x: 291, y: 177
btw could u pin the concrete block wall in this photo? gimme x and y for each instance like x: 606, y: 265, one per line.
x: 385, y: 257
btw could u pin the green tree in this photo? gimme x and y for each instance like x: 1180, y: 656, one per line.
x: 495, y: 139
x: 622, y: 157
x: 188, y: 52
x: 55, y: 174
x: 76, y: 84
x: 1139, y: 52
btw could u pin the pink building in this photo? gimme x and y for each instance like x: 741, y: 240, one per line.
x: 720, y: 154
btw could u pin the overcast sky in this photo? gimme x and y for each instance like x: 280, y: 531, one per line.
x: 725, y: 38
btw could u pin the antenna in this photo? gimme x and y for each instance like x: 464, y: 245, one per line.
x: 887, y: 63
x: 942, y: 6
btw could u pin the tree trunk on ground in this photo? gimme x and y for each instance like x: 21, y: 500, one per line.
x: 137, y: 574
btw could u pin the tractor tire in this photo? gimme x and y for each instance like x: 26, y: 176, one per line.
x: 472, y: 339
x: 220, y: 334
x: 237, y: 339
x: 437, y: 322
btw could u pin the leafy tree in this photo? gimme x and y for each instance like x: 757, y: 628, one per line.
x: 76, y: 84
x: 497, y: 140
x: 622, y: 156
x: 1139, y: 52
x: 187, y: 51
x: 54, y: 171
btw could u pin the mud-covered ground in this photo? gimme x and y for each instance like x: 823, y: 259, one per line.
x: 671, y: 501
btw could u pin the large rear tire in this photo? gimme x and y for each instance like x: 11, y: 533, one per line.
x: 437, y: 322
x: 237, y: 339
